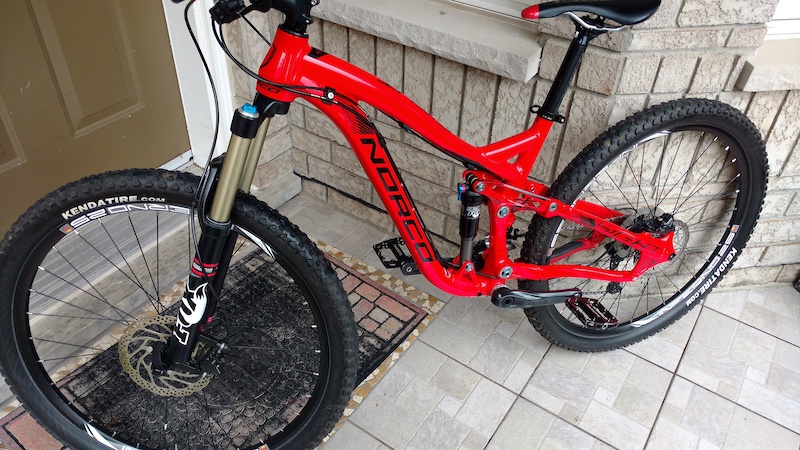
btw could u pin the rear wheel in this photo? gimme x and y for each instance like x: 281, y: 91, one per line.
x: 701, y: 165
x: 91, y: 279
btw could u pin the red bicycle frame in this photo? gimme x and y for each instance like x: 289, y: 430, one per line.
x: 292, y: 62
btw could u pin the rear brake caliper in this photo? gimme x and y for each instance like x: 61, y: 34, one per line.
x: 657, y: 223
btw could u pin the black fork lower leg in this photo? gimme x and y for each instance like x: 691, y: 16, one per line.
x: 200, y: 297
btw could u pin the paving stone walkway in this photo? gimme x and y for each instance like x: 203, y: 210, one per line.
x: 727, y: 375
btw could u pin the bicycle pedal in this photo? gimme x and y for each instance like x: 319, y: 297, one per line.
x: 401, y: 258
x: 591, y: 312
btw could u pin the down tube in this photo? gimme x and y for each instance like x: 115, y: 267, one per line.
x: 382, y: 172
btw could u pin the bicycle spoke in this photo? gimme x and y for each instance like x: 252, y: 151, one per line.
x: 122, y: 255
x: 95, y: 313
x: 80, y: 274
x: 153, y: 301
x: 63, y: 316
x: 663, y: 194
x: 698, y: 189
x: 210, y: 416
x: 692, y: 179
x: 639, y: 193
x: 232, y: 394
x: 697, y: 154
x: 98, y: 384
x: 620, y: 190
x: 714, y: 218
x: 66, y: 343
x: 62, y: 358
x: 282, y: 366
x: 278, y: 349
x: 685, y: 178
x: 144, y: 259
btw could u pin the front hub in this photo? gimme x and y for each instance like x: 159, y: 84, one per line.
x: 136, y: 348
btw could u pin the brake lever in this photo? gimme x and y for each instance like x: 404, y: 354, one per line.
x: 226, y: 11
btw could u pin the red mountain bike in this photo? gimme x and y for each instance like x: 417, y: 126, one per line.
x: 109, y: 345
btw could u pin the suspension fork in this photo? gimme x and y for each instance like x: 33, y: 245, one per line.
x: 217, y: 243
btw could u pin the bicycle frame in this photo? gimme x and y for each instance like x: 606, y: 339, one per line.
x: 291, y: 61
x: 496, y: 175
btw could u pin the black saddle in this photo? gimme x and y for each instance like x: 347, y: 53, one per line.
x: 624, y: 12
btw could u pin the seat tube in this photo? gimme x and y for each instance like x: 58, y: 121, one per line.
x: 569, y: 66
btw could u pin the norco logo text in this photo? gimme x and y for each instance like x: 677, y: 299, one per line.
x: 119, y: 209
x: 399, y: 203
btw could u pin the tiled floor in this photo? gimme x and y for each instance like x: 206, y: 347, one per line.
x: 727, y: 375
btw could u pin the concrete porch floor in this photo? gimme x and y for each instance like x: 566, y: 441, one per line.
x: 727, y: 375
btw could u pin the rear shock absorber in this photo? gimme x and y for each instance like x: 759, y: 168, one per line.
x: 470, y: 217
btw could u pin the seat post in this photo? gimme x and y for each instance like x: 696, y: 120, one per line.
x: 569, y: 66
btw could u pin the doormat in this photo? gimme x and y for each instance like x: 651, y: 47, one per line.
x: 385, y: 319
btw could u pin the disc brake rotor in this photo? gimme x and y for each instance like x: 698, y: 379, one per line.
x: 135, y: 353
x: 679, y: 240
x: 620, y: 252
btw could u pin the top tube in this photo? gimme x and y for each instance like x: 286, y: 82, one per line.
x: 291, y: 61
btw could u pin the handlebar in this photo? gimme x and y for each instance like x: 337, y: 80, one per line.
x: 226, y: 11
x: 297, y: 12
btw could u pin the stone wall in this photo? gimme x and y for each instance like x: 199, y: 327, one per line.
x: 691, y: 48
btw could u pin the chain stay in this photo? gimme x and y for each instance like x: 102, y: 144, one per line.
x: 654, y: 248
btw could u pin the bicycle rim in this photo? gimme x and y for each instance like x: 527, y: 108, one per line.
x: 94, y: 299
x: 696, y: 174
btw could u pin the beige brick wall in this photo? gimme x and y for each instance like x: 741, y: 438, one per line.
x: 690, y: 48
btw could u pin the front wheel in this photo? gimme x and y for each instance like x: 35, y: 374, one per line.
x: 91, y: 279
x: 699, y: 163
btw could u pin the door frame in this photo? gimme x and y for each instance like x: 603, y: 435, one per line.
x: 196, y: 94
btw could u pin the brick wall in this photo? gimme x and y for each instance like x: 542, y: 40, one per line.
x: 691, y: 48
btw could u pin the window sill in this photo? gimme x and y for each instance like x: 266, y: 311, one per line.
x: 775, y: 67
x: 490, y: 42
